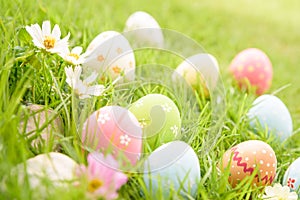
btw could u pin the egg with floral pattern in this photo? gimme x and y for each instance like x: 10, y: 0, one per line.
x: 252, y: 67
x: 246, y: 158
x: 115, y: 130
x: 143, y: 29
x: 270, y: 113
x: 159, y: 117
x: 292, y: 176
x: 172, y: 167
x: 200, y: 71
x: 111, y: 55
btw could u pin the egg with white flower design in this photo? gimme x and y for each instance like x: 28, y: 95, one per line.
x: 269, y: 112
x: 246, y: 158
x: 56, y: 167
x: 174, y: 165
x: 200, y: 71
x: 115, y: 130
x: 111, y: 55
x: 159, y: 117
x: 144, y: 29
x: 292, y: 176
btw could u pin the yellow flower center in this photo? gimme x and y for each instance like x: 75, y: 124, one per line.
x: 74, y: 55
x: 94, y: 185
x: 49, y: 42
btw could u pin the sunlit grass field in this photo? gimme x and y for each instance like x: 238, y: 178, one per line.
x: 223, y: 28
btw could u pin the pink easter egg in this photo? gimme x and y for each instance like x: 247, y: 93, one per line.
x: 113, y: 129
x: 253, y: 66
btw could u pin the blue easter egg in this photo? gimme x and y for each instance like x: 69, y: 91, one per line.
x: 269, y: 112
x: 171, y: 167
x: 292, y: 176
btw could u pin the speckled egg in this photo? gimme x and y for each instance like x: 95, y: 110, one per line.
x: 172, y: 165
x: 292, y: 176
x: 42, y: 124
x: 252, y: 66
x: 247, y: 157
x: 159, y: 117
x: 113, y: 129
x: 269, y: 112
x: 111, y: 55
x: 200, y: 71
x: 144, y: 29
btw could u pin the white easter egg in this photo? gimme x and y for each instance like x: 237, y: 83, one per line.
x: 111, y: 55
x: 269, y: 112
x: 292, y: 176
x: 200, y: 71
x: 56, y: 167
x: 144, y: 29
x: 172, y: 165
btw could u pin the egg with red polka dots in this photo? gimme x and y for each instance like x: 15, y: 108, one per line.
x: 115, y: 130
x: 292, y: 176
x: 246, y: 158
x: 111, y: 55
x: 252, y: 67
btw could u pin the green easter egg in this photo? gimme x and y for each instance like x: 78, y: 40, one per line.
x: 159, y: 117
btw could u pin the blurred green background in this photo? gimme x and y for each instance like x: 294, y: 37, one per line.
x: 223, y: 28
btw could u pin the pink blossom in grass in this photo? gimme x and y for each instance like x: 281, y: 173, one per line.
x: 102, y: 176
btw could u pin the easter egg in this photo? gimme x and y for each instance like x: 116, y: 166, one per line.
x: 269, y: 112
x: 172, y: 165
x: 292, y: 176
x: 144, y: 29
x: 159, y: 117
x: 200, y: 71
x: 115, y: 130
x: 111, y: 55
x: 56, y: 167
x: 252, y: 67
x: 42, y: 124
x: 246, y: 157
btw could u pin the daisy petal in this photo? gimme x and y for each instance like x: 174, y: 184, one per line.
x: 95, y: 90
x: 56, y: 32
x: 35, y: 32
x: 91, y: 78
x: 77, y: 50
x: 46, y: 28
x: 77, y: 72
x: 84, y: 96
x: 70, y: 75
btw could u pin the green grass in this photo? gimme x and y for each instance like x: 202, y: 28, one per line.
x: 222, y: 28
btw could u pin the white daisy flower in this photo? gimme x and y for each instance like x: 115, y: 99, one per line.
x: 82, y: 88
x: 43, y: 38
x: 279, y: 192
x: 74, y: 56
